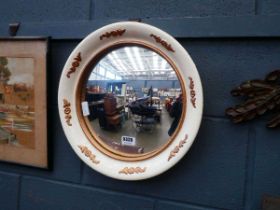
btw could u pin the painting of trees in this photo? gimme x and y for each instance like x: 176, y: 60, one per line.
x: 4, y: 70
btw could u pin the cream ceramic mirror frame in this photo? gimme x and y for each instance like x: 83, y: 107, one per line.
x: 89, y: 50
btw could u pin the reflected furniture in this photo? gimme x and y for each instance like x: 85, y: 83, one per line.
x: 112, y: 114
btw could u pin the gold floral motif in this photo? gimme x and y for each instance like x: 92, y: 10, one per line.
x: 75, y: 64
x: 132, y: 170
x: 192, y: 92
x: 163, y: 43
x: 67, y: 111
x: 89, y: 154
x: 178, y: 147
x: 115, y: 33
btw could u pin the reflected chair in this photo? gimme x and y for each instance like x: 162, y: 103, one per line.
x: 112, y: 114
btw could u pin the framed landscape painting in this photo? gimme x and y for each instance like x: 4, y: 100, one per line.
x: 23, y: 111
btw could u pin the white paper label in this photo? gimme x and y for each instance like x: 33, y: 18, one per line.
x: 128, y: 140
x: 85, y: 108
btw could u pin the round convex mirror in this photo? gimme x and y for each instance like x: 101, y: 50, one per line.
x: 130, y: 101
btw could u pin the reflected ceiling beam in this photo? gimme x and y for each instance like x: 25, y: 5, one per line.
x: 107, y: 64
x: 138, y: 58
x: 131, y: 59
x: 135, y: 62
x: 163, y: 64
x: 147, y: 77
x: 119, y: 67
x: 148, y: 61
x: 95, y: 73
x: 155, y: 60
x: 120, y: 62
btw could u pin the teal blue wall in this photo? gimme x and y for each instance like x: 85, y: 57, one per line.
x: 229, y: 166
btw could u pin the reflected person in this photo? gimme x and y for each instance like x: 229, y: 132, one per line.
x: 176, y: 112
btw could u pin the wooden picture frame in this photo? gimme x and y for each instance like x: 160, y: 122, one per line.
x: 23, y: 102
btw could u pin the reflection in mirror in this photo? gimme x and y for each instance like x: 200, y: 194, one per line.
x: 133, y: 100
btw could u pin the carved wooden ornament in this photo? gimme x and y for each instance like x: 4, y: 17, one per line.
x: 132, y: 170
x: 163, y: 42
x: 192, y: 92
x: 75, y: 64
x: 67, y: 112
x: 177, y: 148
x: 89, y: 154
x: 261, y: 96
x: 114, y: 33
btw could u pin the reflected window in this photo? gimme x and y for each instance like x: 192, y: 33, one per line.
x: 110, y: 75
x: 101, y: 71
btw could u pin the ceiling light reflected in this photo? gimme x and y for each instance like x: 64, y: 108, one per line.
x: 155, y: 60
x: 138, y: 57
x: 131, y: 58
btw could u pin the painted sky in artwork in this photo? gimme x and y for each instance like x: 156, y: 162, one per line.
x: 22, y: 70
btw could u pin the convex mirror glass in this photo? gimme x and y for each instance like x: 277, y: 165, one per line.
x: 132, y: 100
